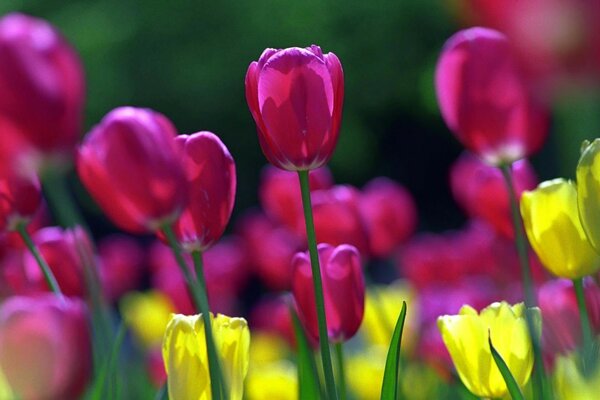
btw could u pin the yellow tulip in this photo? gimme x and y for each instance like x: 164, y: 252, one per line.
x: 552, y: 223
x: 147, y: 315
x: 382, y: 306
x: 364, y: 372
x: 466, y: 338
x: 588, y: 191
x: 276, y: 380
x: 5, y: 390
x: 186, y: 362
x: 569, y: 382
x: 267, y: 348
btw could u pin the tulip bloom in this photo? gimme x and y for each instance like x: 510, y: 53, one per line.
x: 184, y: 354
x: 343, y: 290
x: 42, y: 83
x: 130, y: 166
x: 295, y: 96
x: 389, y: 214
x: 570, y: 382
x: 552, y: 224
x: 466, y: 338
x: 211, y: 181
x: 45, y: 347
x: 20, y: 197
x: 588, y: 192
x: 484, y: 99
x: 121, y: 265
x: 481, y: 191
x: 147, y: 315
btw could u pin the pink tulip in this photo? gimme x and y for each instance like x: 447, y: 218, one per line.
x: 20, y: 198
x: 130, y: 166
x: 484, y: 99
x: 45, y: 347
x: 295, y: 96
x: 41, y: 81
x: 343, y: 289
x: 121, y: 265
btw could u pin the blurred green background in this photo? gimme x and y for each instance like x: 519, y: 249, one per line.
x: 188, y: 60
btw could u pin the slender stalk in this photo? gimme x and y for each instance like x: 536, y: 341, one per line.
x: 46, y: 271
x: 318, y: 286
x: 584, y: 316
x: 541, y: 388
x: 60, y: 199
x: 339, y: 353
x: 201, y: 301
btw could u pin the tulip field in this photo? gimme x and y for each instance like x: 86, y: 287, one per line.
x: 145, y: 254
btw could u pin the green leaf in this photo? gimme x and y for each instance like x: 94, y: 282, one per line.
x: 108, y: 370
x: 308, y: 379
x: 390, y: 388
x: 511, y: 384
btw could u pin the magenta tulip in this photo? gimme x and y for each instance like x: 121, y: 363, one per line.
x: 343, y: 288
x: 41, y: 81
x: 211, y: 182
x: 130, y: 166
x: 295, y: 96
x: 45, y: 347
x: 121, y: 263
x: 484, y: 99
x: 20, y: 198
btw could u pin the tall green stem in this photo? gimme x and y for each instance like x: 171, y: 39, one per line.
x: 61, y: 202
x: 542, y: 390
x: 318, y: 285
x: 46, y: 271
x: 201, y: 301
x: 339, y: 353
x: 586, y: 329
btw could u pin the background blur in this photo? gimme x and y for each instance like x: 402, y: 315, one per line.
x: 187, y: 59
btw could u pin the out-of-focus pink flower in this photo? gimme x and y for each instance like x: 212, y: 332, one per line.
x: 20, y: 198
x: 121, y: 265
x: 279, y: 192
x: 560, y: 315
x: 269, y: 249
x: 295, y: 96
x: 343, y: 290
x: 45, y: 347
x: 61, y: 250
x: 484, y: 98
x: 272, y: 315
x: 130, y: 166
x: 211, y: 180
x: 42, y: 83
x: 481, y: 191
x: 389, y: 213
x: 337, y: 218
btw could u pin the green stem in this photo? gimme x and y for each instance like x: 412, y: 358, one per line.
x: 318, y: 285
x: 201, y: 301
x: 542, y: 390
x: 61, y: 202
x: 586, y: 329
x: 339, y: 352
x: 46, y: 271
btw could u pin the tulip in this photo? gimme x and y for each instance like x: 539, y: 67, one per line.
x: 184, y: 354
x: 276, y: 380
x: 295, y: 96
x: 555, y: 232
x: 42, y: 83
x: 466, y: 338
x: 484, y: 99
x: 45, y: 347
x: 20, y: 198
x: 121, y: 265
x: 147, y: 315
x: 588, y: 191
x: 389, y: 214
x: 481, y: 191
x: 130, y: 166
x: 272, y: 315
x: 211, y: 180
x: 279, y: 193
x: 343, y: 288
x: 571, y: 383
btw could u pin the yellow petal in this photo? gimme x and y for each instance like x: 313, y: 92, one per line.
x: 588, y: 191
x: 273, y: 381
x: 147, y: 315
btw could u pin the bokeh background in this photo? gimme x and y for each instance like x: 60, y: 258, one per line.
x: 188, y: 60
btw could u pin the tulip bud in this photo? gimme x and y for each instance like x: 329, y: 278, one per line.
x: 211, y: 184
x: 130, y: 166
x: 184, y: 354
x: 484, y: 99
x: 588, y: 192
x: 295, y: 96
x: 42, y: 83
x: 389, y: 213
x: 45, y: 347
x: 466, y: 338
x: 147, y: 315
x: 20, y: 197
x: 481, y: 191
x: 343, y: 290
x: 570, y: 382
x: 552, y: 224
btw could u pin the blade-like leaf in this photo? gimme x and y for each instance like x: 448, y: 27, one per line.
x: 308, y: 379
x: 109, y: 369
x: 511, y: 384
x: 391, y: 387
